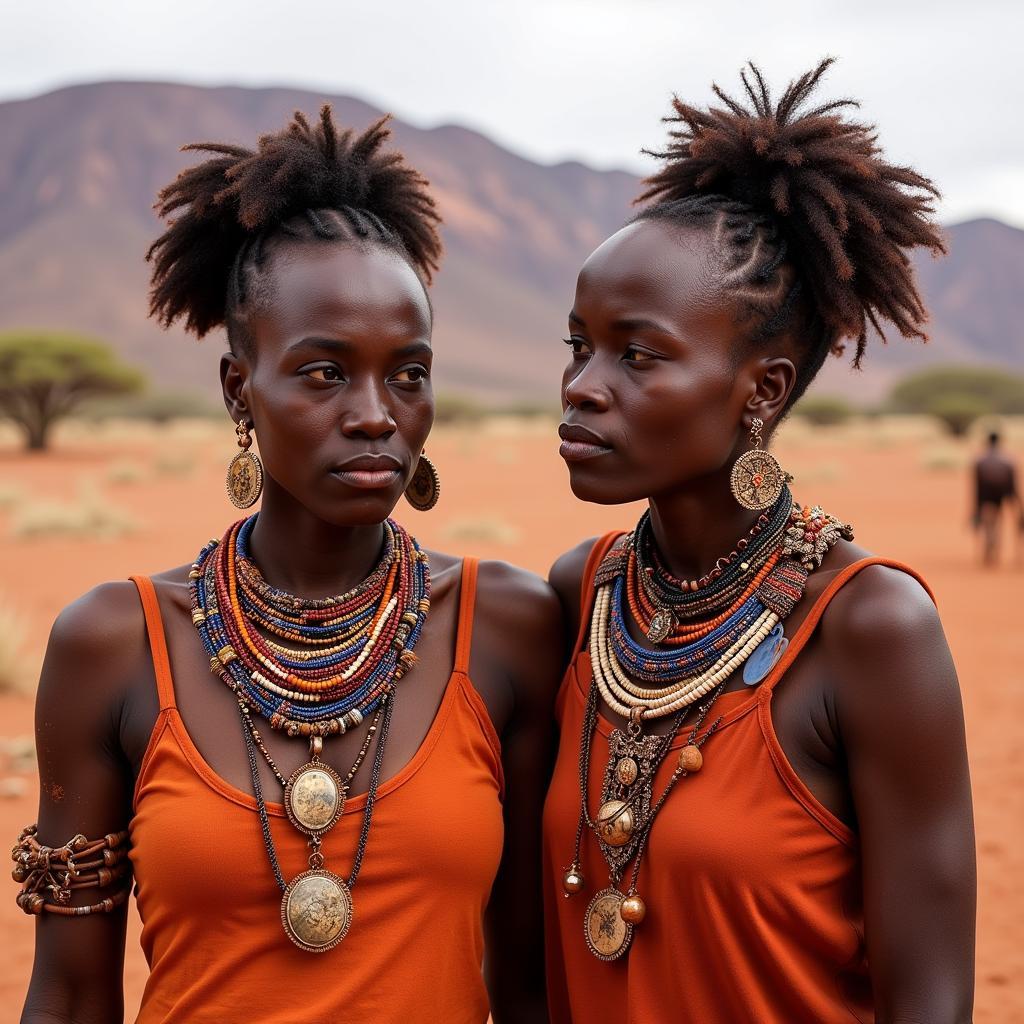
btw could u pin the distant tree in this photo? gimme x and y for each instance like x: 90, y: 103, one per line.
x: 45, y: 374
x: 824, y: 410
x: 959, y: 395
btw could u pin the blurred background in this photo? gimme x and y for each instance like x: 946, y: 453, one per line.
x: 529, y: 119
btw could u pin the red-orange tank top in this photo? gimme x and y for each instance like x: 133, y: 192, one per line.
x: 209, y: 904
x: 752, y: 886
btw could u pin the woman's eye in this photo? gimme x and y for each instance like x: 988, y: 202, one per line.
x: 578, y: 345
x: 411, y: 375
x: 637, y: 355
x: 324, y: 373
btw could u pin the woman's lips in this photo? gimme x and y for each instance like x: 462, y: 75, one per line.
x: 577, y: 451
x: 367, y: 479
x: 579, y: 443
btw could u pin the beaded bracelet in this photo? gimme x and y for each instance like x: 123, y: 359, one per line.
x: 51, y: 875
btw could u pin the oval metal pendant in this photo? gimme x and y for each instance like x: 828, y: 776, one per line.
x: 316, y: 910
x: 245, y: 479
x: 757, y: 479
x: 662, y: 624
x: 766, y: 656
x: 313, y: 798
x: 608, y: 936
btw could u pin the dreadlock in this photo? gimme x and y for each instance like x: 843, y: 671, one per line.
x: 304, y: 183
x: 812, y: 224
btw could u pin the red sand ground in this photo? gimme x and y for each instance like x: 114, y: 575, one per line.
x: 505, y: 496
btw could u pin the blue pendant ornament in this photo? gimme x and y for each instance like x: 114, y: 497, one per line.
x: 766, y: 657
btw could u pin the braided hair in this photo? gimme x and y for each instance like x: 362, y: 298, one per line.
x: 305, y: 183
x: 813, y: 226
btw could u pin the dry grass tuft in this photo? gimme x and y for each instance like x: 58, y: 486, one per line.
x: 90, y: 517
x: 483, y: 530
x: 125, y: 472
x: 16, y: 670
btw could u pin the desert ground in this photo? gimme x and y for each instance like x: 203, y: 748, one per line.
x: 116, y: 498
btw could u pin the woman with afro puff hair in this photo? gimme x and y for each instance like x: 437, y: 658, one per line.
x: 321, y: 749
x: 760, y: 811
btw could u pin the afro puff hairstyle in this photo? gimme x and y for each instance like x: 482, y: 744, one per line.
x: 814, y: 225
x: 305, y: 182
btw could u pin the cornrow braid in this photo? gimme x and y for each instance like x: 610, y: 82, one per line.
x: 813, y: 225
x: 305, y: 182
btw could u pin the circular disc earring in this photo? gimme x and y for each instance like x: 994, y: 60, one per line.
x: 757, y: 478
x: 425, y: 487
x: 245, y: 471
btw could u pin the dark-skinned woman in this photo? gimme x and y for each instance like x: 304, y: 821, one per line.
x: 761, y: 809
x: 321, y: 749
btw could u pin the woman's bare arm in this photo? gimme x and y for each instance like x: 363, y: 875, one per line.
x: 85, y: 787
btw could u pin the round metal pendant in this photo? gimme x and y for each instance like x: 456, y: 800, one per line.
x: 615, y: 823
x: 661, y: 625
x: 757, y: 479
x: 608, y: 936
x: 313, y: 798
x: 316, y: 910
x: 245, y: 479
x: 425, y: 487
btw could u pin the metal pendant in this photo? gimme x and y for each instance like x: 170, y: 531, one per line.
x: 625, y: 805
x: 662, y: 624
x: 316, y: 910
x: 608, y: 936
x: 314, y: 798
x: 757, y: 479
x: 245, y: 479
x: 765, y: 657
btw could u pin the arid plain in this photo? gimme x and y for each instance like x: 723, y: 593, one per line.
x: 116, y: 498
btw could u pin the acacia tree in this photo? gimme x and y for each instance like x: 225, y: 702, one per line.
x: 45, y: 374
x: 958, y: 395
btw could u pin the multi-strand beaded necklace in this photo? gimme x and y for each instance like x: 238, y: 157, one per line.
x: 704, y: 631
x: 339, y: 662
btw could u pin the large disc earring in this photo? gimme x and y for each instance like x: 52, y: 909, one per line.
x: 757, y: 478
x: 425, y: 487
x: 245, y: 471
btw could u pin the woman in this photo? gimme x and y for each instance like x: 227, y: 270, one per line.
x: 318, y: 839
x: 761, y: 809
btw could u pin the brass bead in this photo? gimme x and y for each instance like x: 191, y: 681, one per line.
x: 572, y: 880
x: 215, y: 666
x: 198, y: 617
x: 626, y: 771
x: 691, y: 759
x: 226, y: 654
x: 633, y: 909
x: 194, y: 574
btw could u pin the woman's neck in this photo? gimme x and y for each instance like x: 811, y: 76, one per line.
x: 306, y: 556
x: 694, y: 528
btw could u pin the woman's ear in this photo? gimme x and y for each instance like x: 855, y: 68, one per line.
x: 774, y: 380
x: 234, y: 376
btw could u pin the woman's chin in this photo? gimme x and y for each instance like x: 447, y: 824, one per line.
x: 599, y: 489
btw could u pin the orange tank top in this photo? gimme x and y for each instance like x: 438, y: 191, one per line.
x: 209, y: 904
x: 752, y: 886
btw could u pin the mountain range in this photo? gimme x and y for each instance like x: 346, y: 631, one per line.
x: 80, y: 168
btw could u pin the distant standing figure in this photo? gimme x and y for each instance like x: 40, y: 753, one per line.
x: 995, y: 484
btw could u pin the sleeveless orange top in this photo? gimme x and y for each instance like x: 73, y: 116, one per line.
x: 209, y: 904
x: 752, y: 887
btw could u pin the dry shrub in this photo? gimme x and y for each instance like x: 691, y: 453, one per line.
x: 483, y: 530
x: 943, y: 459
x: 90, y: 517
x: 11, y: 495
x: 175, y: 461
x: 15, y: 666
x: 125, y: 472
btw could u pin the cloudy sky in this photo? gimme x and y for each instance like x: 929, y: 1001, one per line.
x: 584, y: 79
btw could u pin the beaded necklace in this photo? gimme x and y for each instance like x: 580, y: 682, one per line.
x: 344, y: 657
x: 707, y: 629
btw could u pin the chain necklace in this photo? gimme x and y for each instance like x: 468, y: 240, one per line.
x: 345, y: 659
x: 710, y: 628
